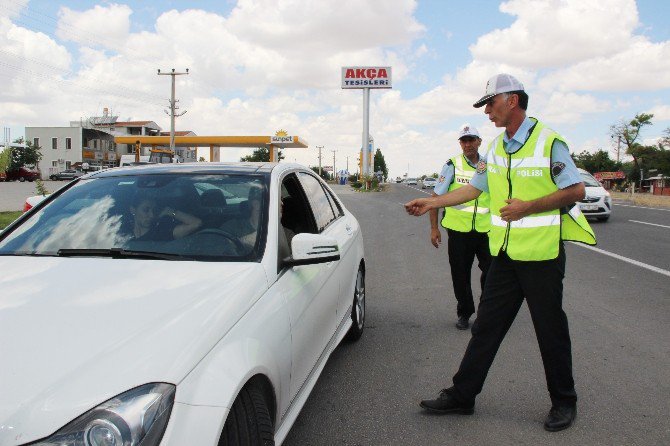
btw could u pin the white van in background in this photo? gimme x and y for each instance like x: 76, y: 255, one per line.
x: 597, y: 202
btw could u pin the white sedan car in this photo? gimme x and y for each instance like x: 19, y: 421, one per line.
x: 190, y: 304
x: 428, y: 182
x: 597, y: 202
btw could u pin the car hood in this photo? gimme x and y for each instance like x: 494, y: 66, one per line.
x: 78, y: 331
x: 595, y: 191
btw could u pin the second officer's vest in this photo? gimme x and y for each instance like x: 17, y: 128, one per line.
x: 472, y: 215
x: 526, y: 175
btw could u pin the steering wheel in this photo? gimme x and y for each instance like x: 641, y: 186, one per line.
x: 220, y: 232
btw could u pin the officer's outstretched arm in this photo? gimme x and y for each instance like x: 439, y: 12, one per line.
x: 422, y: 205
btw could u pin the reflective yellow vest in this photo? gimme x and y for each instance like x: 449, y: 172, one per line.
x: 526, y: 175
x: 472, y: 215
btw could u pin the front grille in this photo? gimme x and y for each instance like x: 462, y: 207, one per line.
x: 590, y: 199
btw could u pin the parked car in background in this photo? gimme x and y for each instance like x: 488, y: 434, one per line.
x: 3, y: 176
x: 411, y: 181
x: 23, y: 174
x: 67, y: 174
x: 597, y: 202
x: 428, y: 182
x: 220, y: 291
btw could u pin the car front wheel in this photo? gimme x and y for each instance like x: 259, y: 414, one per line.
x: 22, y: 179
x: 249, y: 421
x: 358, y: 310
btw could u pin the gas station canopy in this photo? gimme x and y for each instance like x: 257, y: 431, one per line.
x: 215, y: 142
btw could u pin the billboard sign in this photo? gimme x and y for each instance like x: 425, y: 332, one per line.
x: 366, y: 77
x: 618, y: 175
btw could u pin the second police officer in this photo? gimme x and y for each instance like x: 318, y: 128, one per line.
x: 467, y: 224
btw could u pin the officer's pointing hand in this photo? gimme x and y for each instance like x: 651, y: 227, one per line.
x: 515, y: 210
x: 417, y: 207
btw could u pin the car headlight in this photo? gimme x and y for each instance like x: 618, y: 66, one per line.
x: 137, y: 417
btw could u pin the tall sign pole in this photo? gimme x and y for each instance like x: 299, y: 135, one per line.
x: 366, y: 130
x: 366, y: 78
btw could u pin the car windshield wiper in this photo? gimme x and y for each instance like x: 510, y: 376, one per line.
x: 119, y: 253
x: 25, y: 254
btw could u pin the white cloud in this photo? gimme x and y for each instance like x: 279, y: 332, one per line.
x: 270, y: 65
x: 552, y: 33
x: 660, y: 112
x: 322, y: 27
x: 570, y: 107
x: 31, y: 63
x: 640, y: 66
x: 102, y: 26
x: 13, y: 9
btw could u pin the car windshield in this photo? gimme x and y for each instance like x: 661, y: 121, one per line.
x: 158, y: 216
x: 589, y: 180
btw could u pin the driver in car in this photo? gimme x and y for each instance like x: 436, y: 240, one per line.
x: 147, y: 223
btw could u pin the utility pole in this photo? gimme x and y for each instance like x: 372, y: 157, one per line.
x: 319, y: 147
x: 173, y: 105
x: 334, y: 171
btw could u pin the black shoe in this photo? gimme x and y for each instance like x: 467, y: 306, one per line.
x: 463, y: 323
x: 559, y: 418
x: 445, y: 403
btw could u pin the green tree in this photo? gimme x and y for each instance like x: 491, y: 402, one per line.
x: 596, y: 162
x: 629, y: 133
x: 24, y: 156
x: 665, y: 140
x: 5, y: 159
x: 261, y: 154
x: 380, y: 164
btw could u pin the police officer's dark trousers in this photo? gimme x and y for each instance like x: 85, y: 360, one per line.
x: 463, y: 247
x: 508, y: 283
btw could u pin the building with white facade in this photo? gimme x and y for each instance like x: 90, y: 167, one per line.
x: 90, y: 142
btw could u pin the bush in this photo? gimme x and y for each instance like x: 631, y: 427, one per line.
x: 375, y: 183
x: 357, y: 184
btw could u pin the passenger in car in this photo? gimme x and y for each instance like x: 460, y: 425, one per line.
x: 147, y: 223
x: 245, y: 226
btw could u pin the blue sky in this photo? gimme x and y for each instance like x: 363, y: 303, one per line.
x: 261, y: 65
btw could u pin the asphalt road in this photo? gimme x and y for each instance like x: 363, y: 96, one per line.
x: 13, y: 193
x: 619, y: 314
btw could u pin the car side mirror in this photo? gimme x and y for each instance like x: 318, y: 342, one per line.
x: 310, y: 249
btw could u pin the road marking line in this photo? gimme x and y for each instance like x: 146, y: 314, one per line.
x: 640, y: 207
x: 625, y: 259
x: 650, y: 224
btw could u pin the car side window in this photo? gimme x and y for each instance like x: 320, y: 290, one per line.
x: 295, y: 215
x: 337, y: 208
x: 322, y: 205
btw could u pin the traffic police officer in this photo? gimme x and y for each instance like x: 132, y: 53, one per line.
x: 534, y: 186
x: 467, y: 224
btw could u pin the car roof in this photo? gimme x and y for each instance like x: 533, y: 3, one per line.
x: 185, y: 168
